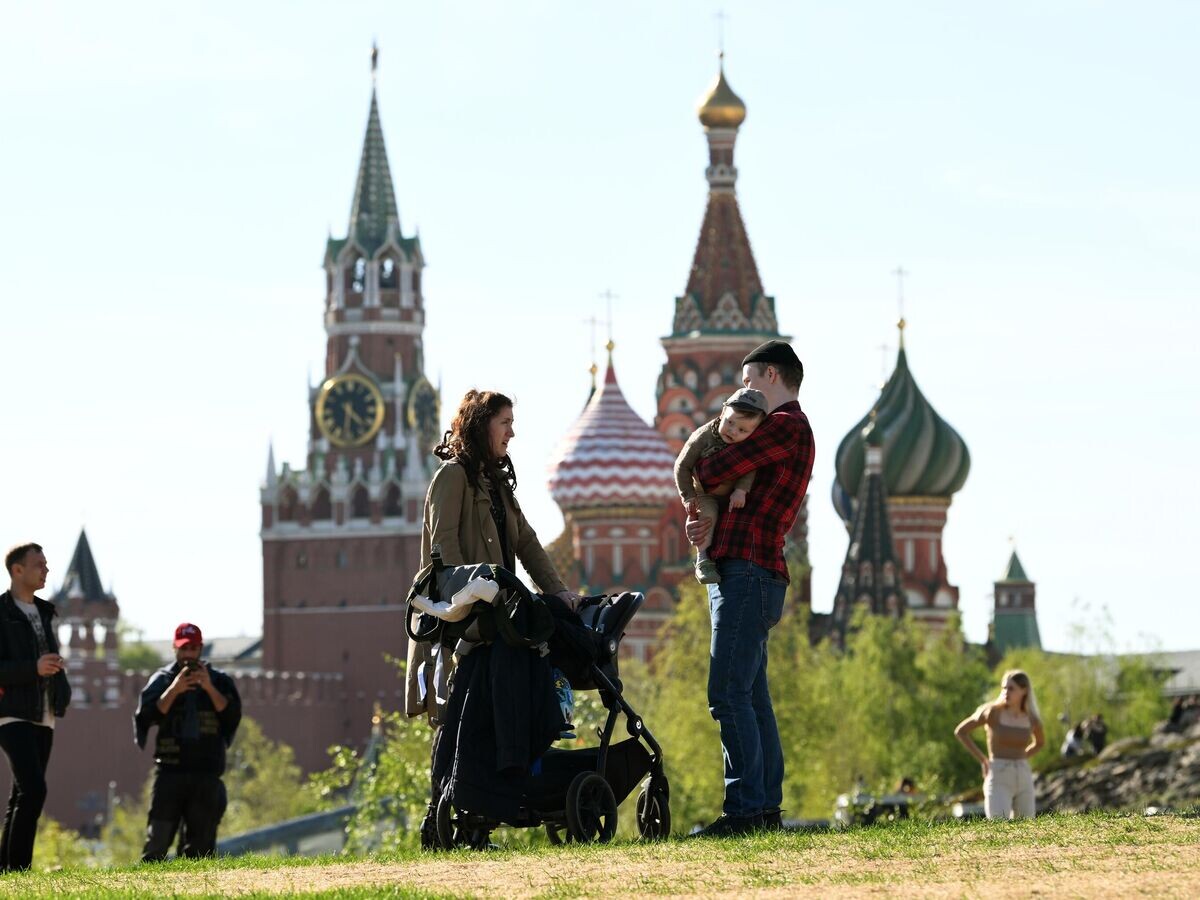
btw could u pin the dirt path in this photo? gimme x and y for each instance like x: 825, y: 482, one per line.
x: 1109, y: 866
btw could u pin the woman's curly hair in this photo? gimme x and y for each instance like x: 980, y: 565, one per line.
x: 468, y: 441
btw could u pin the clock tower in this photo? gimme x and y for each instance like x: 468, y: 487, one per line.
x: 341, y: 533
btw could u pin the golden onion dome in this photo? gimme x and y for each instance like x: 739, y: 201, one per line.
x: 721, y: 107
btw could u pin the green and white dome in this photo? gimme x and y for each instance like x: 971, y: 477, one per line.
x: 922, y: 455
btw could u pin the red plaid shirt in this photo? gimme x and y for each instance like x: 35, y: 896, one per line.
x: 780, y: 453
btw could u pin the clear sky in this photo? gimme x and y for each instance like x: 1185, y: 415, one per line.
x: 168, y: 176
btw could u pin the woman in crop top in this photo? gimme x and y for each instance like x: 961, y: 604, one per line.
x: 1014, y: 735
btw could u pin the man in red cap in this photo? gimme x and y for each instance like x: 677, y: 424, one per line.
x: 197, y: 710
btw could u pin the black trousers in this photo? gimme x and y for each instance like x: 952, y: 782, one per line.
x: 197, y: 801
x: 27, y: 747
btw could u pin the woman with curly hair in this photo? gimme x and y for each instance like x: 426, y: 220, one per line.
x: 1014, y: 736
x: 471, y: 511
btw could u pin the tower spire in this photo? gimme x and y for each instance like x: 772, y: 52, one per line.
x: 900, y: 274
x: 724, y: 291
x: 870, y: 573
x: 373, y: 212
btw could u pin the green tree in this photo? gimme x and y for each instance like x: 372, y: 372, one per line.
x: 884, y: 708
x: 132, y: 651
x: 56, y: 847
x: 263, y: 782
x: 390, y: 788
x: 673, y: 700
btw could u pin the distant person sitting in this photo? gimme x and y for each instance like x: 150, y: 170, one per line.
x: 1176, y: 716
x: 197, y: 710
x: 1072, y: 744
x: 1097, y: 733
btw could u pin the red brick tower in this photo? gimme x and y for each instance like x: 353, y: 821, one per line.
x: 85, y: 608
x: 724, y: 312
x: 341, y: 535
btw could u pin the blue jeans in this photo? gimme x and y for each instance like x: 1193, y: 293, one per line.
x: 744, y: 607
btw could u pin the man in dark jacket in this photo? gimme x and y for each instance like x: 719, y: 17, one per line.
x: 197, y: 711
x: 33, y: 692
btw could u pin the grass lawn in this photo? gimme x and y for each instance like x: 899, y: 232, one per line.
x: 1060, y: 856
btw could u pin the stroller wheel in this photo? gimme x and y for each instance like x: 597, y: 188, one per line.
x: 557, y: 833
x: 653, y: 812
x: 591, y: 809
x: 429, y: 835
x: 444, y: 823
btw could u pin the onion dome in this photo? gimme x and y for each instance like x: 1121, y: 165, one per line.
x: 923, y: 455
x: 721, y: 107
x: 611, y: 458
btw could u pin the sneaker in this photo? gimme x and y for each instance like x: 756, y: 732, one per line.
x: 772, y: 820
x: 706, y: 572
x: 730, y: 826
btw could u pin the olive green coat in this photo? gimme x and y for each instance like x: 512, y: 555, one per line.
x: 459, y: 519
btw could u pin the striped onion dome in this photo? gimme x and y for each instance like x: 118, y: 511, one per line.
x: 922, y: 455
x: 610, y: 457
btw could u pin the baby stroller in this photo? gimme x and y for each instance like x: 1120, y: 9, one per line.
x: 492, y: 760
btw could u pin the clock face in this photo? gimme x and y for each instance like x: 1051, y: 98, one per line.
x: 423, y: 412
x: 349, y: 410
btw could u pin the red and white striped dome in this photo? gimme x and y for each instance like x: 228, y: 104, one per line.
x: 610, y: 457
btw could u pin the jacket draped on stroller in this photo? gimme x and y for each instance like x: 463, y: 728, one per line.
x: 493, y: 761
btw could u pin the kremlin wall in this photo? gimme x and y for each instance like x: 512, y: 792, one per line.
x: 340, y: 529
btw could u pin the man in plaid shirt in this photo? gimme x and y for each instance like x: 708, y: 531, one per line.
x: 748, y: 602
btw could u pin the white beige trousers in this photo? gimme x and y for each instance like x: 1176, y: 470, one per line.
x: 1008, y: 789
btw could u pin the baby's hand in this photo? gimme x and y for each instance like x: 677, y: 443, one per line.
x: 737, y: 499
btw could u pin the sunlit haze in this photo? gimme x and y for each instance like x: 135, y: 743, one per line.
x: 168, y: 177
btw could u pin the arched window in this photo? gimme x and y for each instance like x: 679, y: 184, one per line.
x: 391, y: 501
x: 670, y: 544
x: 889, y: 574
x: 322, y: 509
x: 287, y: 505
x: 360, y: 503
x: 865, y: 574
x: 389, y: 274
x: 358, y: 279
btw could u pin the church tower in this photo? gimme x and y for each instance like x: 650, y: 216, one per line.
x: 1014, y: 617
x: 870, y: 574
x: 925, y: 463
x: 90, y: 613
x: 613, y: 478
x: 724, y: 312
x: 341, y: 533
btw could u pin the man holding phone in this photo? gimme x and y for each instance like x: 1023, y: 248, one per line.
x: 197, y: 710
